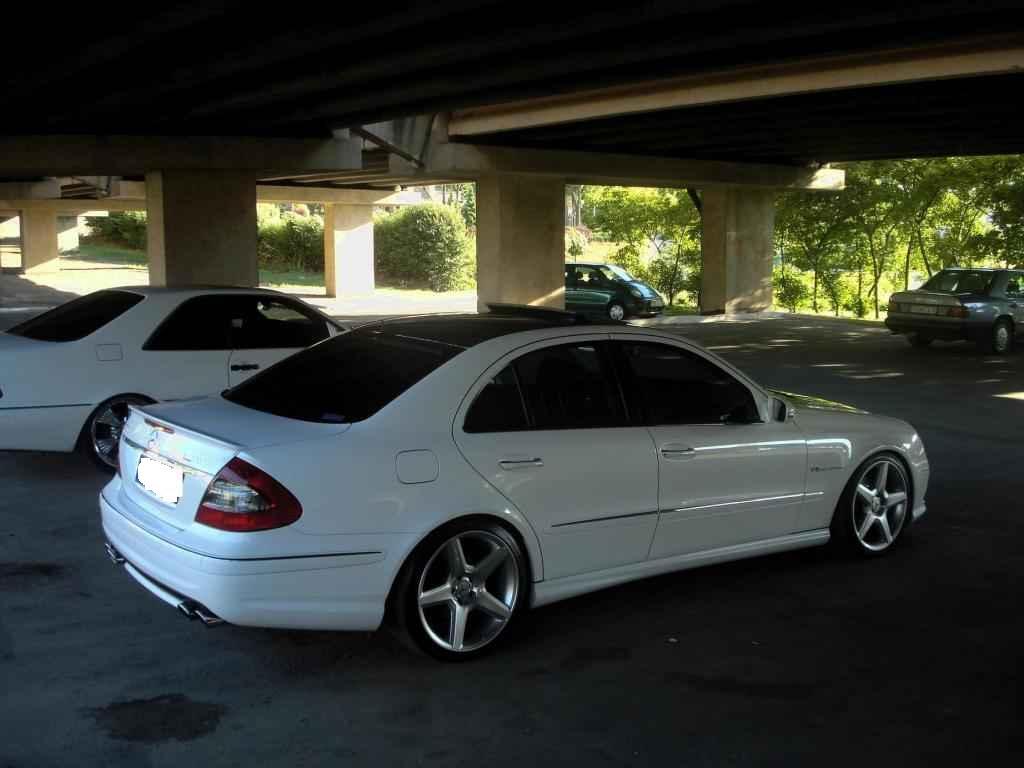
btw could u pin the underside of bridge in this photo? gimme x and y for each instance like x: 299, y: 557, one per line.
x: 732, y: 98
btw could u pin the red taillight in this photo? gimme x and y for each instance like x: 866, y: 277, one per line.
x: 958, y: 312
x: 245, y: 498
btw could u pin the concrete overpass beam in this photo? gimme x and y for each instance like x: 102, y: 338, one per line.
x: 737, y: 247
x: 520, y: 240
x: 348, y: 248
x: 201, y: 227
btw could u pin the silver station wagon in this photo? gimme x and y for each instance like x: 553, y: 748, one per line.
x: 981, y: 305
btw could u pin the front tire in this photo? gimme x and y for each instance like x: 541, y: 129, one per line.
x: 101, y: 434
x: 875, y: 508
x: 462, y: 589
x: 616, y: 311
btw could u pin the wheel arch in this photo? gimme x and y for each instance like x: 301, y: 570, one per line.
x: 95, y: 409
x: 874, y: 453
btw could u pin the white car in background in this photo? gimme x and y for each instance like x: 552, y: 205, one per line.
x: 68, y: 376
x: 458, y: 469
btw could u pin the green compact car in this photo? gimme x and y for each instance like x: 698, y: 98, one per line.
x: 609, y: 291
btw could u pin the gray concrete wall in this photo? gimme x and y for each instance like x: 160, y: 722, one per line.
x: 520, y: 240
x: 201, y: 228
x: 737, y: 247
x: 348, y: 249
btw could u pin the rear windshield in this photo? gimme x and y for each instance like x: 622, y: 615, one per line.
x: 959, y: 281
x: 345, y: 379
x: 78, y: 318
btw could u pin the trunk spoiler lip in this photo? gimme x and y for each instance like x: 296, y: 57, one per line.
x: 170, y: 427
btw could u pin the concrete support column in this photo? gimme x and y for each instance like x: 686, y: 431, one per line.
x: 348, y: 249
x: 39, y: 246
x: 737, y: 247
x: 520, y: 241
x: 201, y: 228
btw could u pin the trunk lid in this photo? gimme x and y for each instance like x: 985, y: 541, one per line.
x: 170, y: 453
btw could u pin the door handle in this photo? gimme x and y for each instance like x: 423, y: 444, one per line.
x: 676, y: 451
x: 520, y: 463
x: 245, y: 367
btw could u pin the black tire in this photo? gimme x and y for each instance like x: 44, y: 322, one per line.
x: 616, y: 310
x: 87, y: 444
x: 919, y: 340
x: 846, y: 518
x: 423, y: 568
x: 1000, y: 339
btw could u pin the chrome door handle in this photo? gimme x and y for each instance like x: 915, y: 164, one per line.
x: 520, y: 463
x: 676, y: 451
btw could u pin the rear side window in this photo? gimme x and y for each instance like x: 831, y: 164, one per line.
x: 346, y: 379
x: 268, y: 323
x: 79, y: 317
x: 498, y: 407
x: 570, y: 386
x: 666, y: 385
x: 201, y: 323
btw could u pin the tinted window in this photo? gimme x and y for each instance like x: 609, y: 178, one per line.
x: 200, y: 323
x: 569, y: 387
x: 498, y: 407
x: 1015, y: 285
x: 79, y: 317
x: 346, y: 379
x: 959, y: 281
x: 265, y: 323
x: 667, y: 385
x: 590, y: 277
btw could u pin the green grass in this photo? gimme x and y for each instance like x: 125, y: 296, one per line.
x: 107, y: 254
x: 680, y: 309
x: 269, y: 277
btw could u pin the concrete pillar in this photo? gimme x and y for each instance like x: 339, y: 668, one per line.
x: 348, y: 249
x: 201, y: 228
x: 67, y: 233
x: 39, y: 251
x: 737, y: 247
x: 520, y: 241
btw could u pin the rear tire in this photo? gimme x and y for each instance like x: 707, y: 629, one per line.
x: 462, y: 590
x: 919, y: 340
x: 101, y: 434
x: 1000, y: 339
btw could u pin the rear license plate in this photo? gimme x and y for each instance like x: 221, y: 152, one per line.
x: 162, y: 480
x: 922, y: 309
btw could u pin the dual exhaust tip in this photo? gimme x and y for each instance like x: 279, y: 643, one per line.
x: 194, y: 610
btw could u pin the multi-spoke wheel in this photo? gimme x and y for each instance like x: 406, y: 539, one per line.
x: 463, y: 590
x: 616, y: 311
x: 102, y: 433
x: 875, y: 509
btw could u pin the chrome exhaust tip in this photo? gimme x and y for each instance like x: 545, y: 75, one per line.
x: 113, y: 554
x: 194, y: 610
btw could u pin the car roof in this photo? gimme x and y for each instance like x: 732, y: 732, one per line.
x: 191, y: 290
x: 468, y: 330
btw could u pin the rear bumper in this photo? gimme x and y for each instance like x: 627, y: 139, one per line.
x: 936, y: 328
x: 346, y: 592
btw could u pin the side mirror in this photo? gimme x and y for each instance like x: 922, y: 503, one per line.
x: 782, y: 411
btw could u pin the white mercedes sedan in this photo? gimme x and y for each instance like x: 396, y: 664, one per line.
x: 453, y: 471
x: 68, y: 376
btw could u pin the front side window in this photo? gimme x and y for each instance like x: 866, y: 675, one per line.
x: 1015, y: 285
x: 590, y: 277
x: 346, y: 379
x: 666, y: 385
x: 78, y: 318
x: 261, y: 322
x: 570, y: 386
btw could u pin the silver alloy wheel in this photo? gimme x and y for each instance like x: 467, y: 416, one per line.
x: 463, y: 606
x: 1002, y: 338
x: 880, y: 504
x: 106, y: 426
x: 616, y: 312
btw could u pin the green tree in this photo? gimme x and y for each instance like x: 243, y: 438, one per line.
x: 810, y: 227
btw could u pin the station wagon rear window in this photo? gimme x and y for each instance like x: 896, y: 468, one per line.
x: 77, y: 318
x: 345, y: 379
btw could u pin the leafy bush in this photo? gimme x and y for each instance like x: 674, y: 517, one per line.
x: 790, y: 290
x: 124, y: 228
x: 423, y: 246
x: 290, y: 242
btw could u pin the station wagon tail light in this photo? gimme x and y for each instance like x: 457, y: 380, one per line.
x: 244, y: 498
